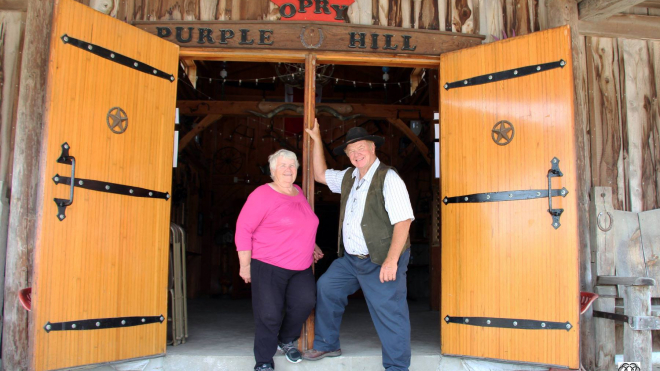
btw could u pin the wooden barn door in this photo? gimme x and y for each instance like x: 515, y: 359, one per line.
x: 509, y: 267
x: 100, y: 270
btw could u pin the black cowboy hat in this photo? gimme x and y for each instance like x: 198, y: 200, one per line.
x: 357, y: 134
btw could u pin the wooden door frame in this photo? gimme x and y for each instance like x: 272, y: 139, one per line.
x: 298, y: 56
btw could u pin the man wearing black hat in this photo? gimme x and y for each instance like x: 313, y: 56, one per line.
x: 375, y: 216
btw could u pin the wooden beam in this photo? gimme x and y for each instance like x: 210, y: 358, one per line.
x: 565, y: 12
x: 598, y: 10
x: 625, y: 26
x: 414, y: 138
x: 26, y: 181
x: 294, y: 56
x: 307, y: 336
x: 201, y: 126
x: 415, y: 78
x: 604, y: 263
x: 11, y: 41
x: 654, y: 4
x: 20, y: 5
x: 239, y: 108
x: 191, y: 70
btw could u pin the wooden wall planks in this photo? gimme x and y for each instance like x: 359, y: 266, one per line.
x: 639, y: 98
x: 605, y: 126
x: 11, y: 43
x: 624, y: 120
x: 12, y: 25
x: 489, y: 17
x: 23, y: 200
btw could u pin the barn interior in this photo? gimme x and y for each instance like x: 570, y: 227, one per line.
x: 232, y: 116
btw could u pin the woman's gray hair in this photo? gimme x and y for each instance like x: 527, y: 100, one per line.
x: 272, y: 159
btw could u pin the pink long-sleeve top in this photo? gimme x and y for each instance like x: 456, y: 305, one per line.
x: 279, y: 229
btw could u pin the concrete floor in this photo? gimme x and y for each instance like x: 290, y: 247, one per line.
x: 226, y: 328
x: 221, y: 334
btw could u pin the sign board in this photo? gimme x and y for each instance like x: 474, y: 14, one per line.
x: 302, y: 35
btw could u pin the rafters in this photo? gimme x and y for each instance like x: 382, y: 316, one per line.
x: 240, y: 108
x: 625, y: 26
x: 598, y: 10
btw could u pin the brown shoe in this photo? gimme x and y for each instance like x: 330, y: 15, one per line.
x: 315, y: 355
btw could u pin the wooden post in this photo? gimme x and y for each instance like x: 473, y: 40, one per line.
x: 25, y: 182
x: 603, y: 250
x: 637, y: 343
x: 307, y: 337
x: 636, y: 299
x: 565, y: 12
x: 11, y: 36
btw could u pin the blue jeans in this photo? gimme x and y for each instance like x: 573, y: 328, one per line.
x: 387, y: 305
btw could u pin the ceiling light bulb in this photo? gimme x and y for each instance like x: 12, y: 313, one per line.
x: 223, y: 73
x: 386, y: 75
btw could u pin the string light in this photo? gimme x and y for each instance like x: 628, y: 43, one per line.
x: 274, y: 78
x: 354, y: 83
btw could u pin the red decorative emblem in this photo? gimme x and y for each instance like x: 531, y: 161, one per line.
x: 313, y: 10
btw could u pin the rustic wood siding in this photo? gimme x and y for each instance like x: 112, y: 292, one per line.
x: 12, y: 24
x: 468, y: 16
x: 624, y: 120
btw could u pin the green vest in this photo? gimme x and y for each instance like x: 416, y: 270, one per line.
x: 376, y: 226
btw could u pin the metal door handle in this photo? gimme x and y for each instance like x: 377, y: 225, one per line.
x: 554, y: 172
x: 62, y: 203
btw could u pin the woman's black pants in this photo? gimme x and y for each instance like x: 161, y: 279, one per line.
x: 282, y: 299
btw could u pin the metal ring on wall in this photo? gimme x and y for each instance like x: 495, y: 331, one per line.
x: 611, y: 221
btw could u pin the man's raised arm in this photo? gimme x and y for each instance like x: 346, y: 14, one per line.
x: 318, y: 157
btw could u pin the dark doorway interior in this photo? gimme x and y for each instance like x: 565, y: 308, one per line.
x: 227, y: 160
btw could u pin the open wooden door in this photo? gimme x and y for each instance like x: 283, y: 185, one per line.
x: 509, y: 266
x: 100, y: 269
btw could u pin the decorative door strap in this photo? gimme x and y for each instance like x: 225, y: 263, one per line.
x: 107, y: 187
x: 505, y: 196
x: 94, y: 185
x: 505, y: 75
x: 116, y: 57
x: 102, y: 323
x: 521, y: 195
x: 525, y: 324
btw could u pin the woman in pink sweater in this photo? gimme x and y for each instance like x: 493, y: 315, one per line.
x: 275, y: 239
